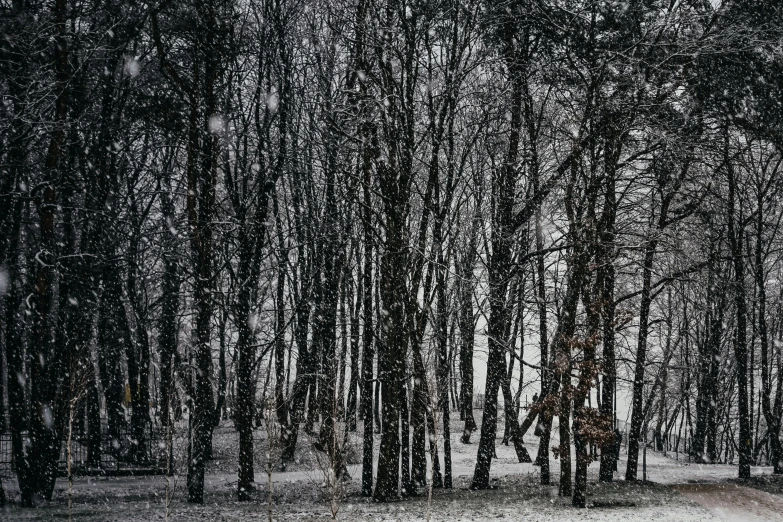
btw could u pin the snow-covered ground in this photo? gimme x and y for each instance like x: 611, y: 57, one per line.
x: 299, y: 494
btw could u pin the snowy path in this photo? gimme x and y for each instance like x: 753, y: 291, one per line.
x: 735, y: 503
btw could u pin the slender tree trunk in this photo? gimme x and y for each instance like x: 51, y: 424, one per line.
x: 467, y: 335
x: 202, y: 184
x: 608, y: 308
x: 564, y: 415
x: 15, y: 356
x: 563, y: 339
x: 140, y: 398
x: 391, y: 361
x: 281, y: 403
x: 773, y: 422
x: 367, y: 356
x: 45, y: 427
x: 744, y: 442
x: 588, y: 373
x: 499, y: 275
x: 716, y: 335
x: 443, y: 369
x: 343, y: 342
x: 637, y: 416
x: 167, y: 324
x: 418, y: 423
x: 353, y: 382
x: 406, y: 485
x: 305, y: 372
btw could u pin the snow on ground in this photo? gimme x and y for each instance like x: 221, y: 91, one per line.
x: 518, y: 497
x: 299, y: 493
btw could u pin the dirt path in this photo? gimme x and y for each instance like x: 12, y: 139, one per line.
x: 735, y: 503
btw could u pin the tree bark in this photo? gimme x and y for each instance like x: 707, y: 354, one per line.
x: 46, y: 363
x: 773, y: 422
x: 499, y: 271
x: 735, y: 233
x: 637, y: 415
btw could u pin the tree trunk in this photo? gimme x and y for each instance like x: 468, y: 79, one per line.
x: 564, y: 415
x: 391, y: 361
x: 353, y: 382
x: 588, y: 372
x: 168, y: 328
x: 735, y: 233
x: 46, y: 363
x: 443, y: 367
x: 15, y: 355
x: 202, y: 183
x: 368, y: 339
x: 607, y: 253
x: 773, y: 422
x: 139, y: 351
x: 467, y: 335
x: 637, y: 415
x: 499, y: 271
x: 281, y: 403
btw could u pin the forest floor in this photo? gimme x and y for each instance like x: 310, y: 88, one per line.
x: 734, y: 501
x: 676, y: 491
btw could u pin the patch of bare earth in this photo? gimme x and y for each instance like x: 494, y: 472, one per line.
x: 734, y: 502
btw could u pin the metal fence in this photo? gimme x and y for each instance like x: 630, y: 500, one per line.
x: 6, y: 453
x: 115, y: 455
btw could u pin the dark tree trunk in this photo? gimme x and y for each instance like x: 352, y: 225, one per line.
x: 563, y: 339
x: 564, y: 488
x: 637, y: 416
x: 668, y: 186
x: 496, y: 367
x: 709, y: 349
x: 499, y: 273
x: 327, y: 300
x: 588, y: 372
x: 14, y: 353
x: 248, y: 274
x: 736, y: 235
x: 46, y: 363
x: 607, y: 254
x: 443, y: 370
x: 418, y: 423
x: 773, y: 422
x: 353, y: 382
x: 305, y: 362
x: 542, y: 458
x: 368, y: 339
x: 139, y: 351
x: 93, y: 404
x: 222, y: 384
x: 305, y: 369
x: 391, y: 358
x: 202, y: 182
x: 253, y: 235
x: 167, y: 338
x: 168, y: 328
x: 406, y: 488
x: 281, y: 401
x: 465, y: 285
x: 512, y: 424
x: 467, y: 333
x: 324, y: 330
x: 343, y: 359
x: 714, y: 356
x: 112, y: 339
